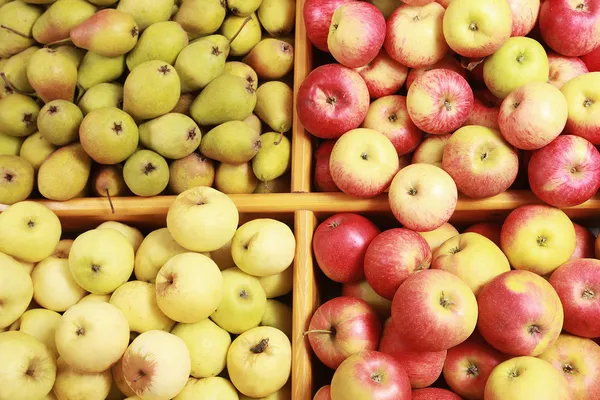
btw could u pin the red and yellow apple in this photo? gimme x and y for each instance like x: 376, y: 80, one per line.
x: 583, y: 97
x: 448, y: 62
x: 490, y: 230
x: 584, y: 243
x: 317, y: 19
x: 431, y: 150
x: 384, y: 76
x: 323, y: 180
x: 524, y: 15
x: 563, y: 69
x: 436, y: 237
x: 485, y: 112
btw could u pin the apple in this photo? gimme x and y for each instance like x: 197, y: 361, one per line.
x: 484, y: 113
x: 154, y: 251
x: 585, y: 242
x: 477, y: 28
x: 519, y: 61
x: 583, y: 97
x: 95, y: 297
x: 340, y: 243
x: 16, y: 290
x: 362, y: 290
x: 571, y: 28
x: 278, y: 315
x: 317, y: 19
x: 370, y: 375
x: 563, y: 69
x: 119, y: 380
x: 490, y: 230
x: 279, y: 284
x: 434, y: 394
x: 433, y: 311
x: 386, y: 7
x: 533, y: 115
x: 436, y: 237
x: 524, y: 16
x: 439, y: 101
x: 324, y: 393
x: 592, y: 60
x: 132, y: 234
x: 415, y: 35
x: 323, y: 180
x: 332, y: 100
x: 72, y: 384
x: 448, y: 62
x: 423, y: 197
x: 41, y: 324
x: 363, y: 163
x: 537, y: 238
x: 341, y: 327
x: 213, y: 387
x: 384, y: 76
x: 476, y: 154
x: 53, y: 285
x: 431, y: 150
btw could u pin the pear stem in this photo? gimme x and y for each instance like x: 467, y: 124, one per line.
x: 58, y: 42
x: 248, y: 19
x: 280, y: 139
x: 8, y: 28
x: 12, y: 87
x: 318, y: 331
x: 112, y: 207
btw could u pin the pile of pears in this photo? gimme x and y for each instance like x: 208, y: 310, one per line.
x: 144, y: 97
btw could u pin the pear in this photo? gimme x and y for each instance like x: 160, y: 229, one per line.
x: 226, y: 98
x: 190, y: 172
x: 10, y: 145
x: 277, y: 16
x: 17, y: 19
x: 201, y: 62
x: 254, y: 122
x: 18, y: 115
x: 233, y: 142
x: 201, y: 17
x: 235, y: 178
x: 65, y: 173
x: 58, y: 20
x: 15, y: 70
x: 109, y: 32
x: 147, y: 12
x: 277, y: 185
x: 103, y: 2
x: 96, y: 69
x: 108, y: 181
x: 109, y: 135
x: 52, y: 75
x: 243, y: 71
x: 146, y: 173
x: 274, y: 105
x: 184, y: 103
x: 101, y: 96
x: 271, y: 59
x: 161, y: 41
x: 58, y: 122
x: 72, y: 53
x: 246, y: 31
x: 274, y: 157
x: 172, y: 136
x: 16, y: 179
x: 152, y: 89
x: 36, y: 149
x: 243, y: 8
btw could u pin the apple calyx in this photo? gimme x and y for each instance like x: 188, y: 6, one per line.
x: 445, y: 301
x: 541, y: 241
x: 534, y: 329
x: 80, y: 331
x: 244, y: 294
x: 520, y: 58
x: 588, y: 294
x: 393, y: 118
x: 513, y: 373
x: 334, y: 224
x: 376, y: 377
x: 516, y: 105
x: 473, y: 370
x: 569, y: 369
x: 16, y: 32
x: 261, y: 346
x: 473, y: 26
x: 30, y: 224
x: 484, y: 156
x: 447, y: 105
x: 412, y: 192
x: 331, y: 100
x: 588, y: 103
x: 95, y: 268
x: 455, y: 250
x: 364, y: 156
x: 581, y: 7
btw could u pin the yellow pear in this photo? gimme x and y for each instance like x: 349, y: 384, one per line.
x: 190, y: 172
x: 18, y: 115
x: 244, y: 71
x: 10, y: 145
x: 146, y: 173
x: 274, y: 157
x: 58, y: 20
x: 96, y: 69
x: 36, y: 149
x: 271, y: 59
x: 52, y: 75
x: 243, y: 8
x: 247, y: 32
x: 15, y: 70
x: 108, y: 32
x: 275, y: 105
x: 17, y: 19
x: 160, y: 41
x: 147, y: 12
x: 235, y: 178
x: 277, y: 16
x: 65, y: 173
x: 201, y: 17
x: 59, y: 122
x: 101, y: 96
x: 16, y: 179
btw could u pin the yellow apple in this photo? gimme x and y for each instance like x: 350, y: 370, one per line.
x: 208, y: 388
x: 16, y: 290
x: 132, y: 234
x: 436, y: 237
x: 223, y: 257
x: 583, y: 98
x: 76, y: 385
x: 156, y: 249
x: 63, y: 248
x: 278, y: 315
x: 278, y: 284
x: 95, y: 297
x: 27, y: 266
x: 42, y: 325
x: 54, y: 287
x: 119, y: 379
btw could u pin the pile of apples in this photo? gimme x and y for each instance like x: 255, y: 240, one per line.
x: 503, y: 311
x: 492, y: 93
x: 190, y: 311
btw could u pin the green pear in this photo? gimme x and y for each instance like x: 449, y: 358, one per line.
x: 184, y: 103
x: 18, y: 115
x: 233, y: 142
x: 96, y: 69
x: 172, y: 136
x: 101, y: 96
x: 244, y: 71
x: 17, y: 19
x: 108, y: 181
x: 271, y: 59
x: 277, y: 185
x: 58, y: 20
x: 201, y: 17
x: 152, y: 89
x: 109, y: 135
x: 254, y: 122
x: 190, y: 172
x: 246, y: 31
x: 146, y: 173
x: 202, y: 61
x: 274, y: 157
x: 109, y: 32
x: 65, y: 173
x: 161, y: 41
x: 72, y: 53
x: 235, y: 178
x: 243, y: 8
x: 226, y: 98
x: 15, y: 70
x: 277, y: 16
x: 52, y: 75
x: 36, y: 149
x: 58, y: 122
x: 16, y: 179
x: 10, y: 145
x: 274, y: 105
x: 147, y: 12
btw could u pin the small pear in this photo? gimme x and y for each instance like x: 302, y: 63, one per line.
x: 10, y: 145
x: 58, y: 20
x: 184, y: 103
x: 244, y: 71
x: 147, y: 12
x: 248, y: 37
x: 201, y: 17
x: 109, y: 32
x: 274, y: 157
x: 190, y: 172
x: 15, y: 70
x: 96, y: 69
x: 146, y: 173
x: 152, y: 89
x: 172, y: 136
x: 17, y: 19
x: 277, y: 16
x: 72, y: 53
x: 161, y: 41
x: 108, y: 180
x: 278, y: 185
x: 16, y: 179
x: 254, y: 122
x: 58, y: 122
x: 243, y: 8
x: 235, y: 178
x: 226, y: 98
x: 271, y: 59
x: 18, y: 115
x: 65, y: 173
x: 52, y: 75
x: 36, y: 149
x: 233, y: 142
x: 101, y: 96
x: 202, y: 61
x: 274, y: 105
x: 109, y: 135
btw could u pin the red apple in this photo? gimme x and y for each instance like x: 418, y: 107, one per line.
x: 323, y: 180
x: 317, y: 19
x: 483, y: 114
x: 383, y: 76
x: 577, y: 283
x: 324, y: 393
x: 434, y: 394
x: 583, y: 97
x: 566, y: 172
x: 488, y: 229
x: 431, y: 150
x: 524, y: 15
x: 563, y: 69
x: 448, y: 62
x: 340, y: 243
x: 592, y: 60
x: 332, y: 100
x: 362, y: 290
x: 585, y: 242
x: 341, y: 327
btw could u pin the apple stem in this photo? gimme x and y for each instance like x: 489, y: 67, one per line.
x: 16, y: 32
x: 248, y: 19
x: 318, y: 331
x: 112, y: 207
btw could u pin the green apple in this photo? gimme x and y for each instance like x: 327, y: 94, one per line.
x: 73, y: 384
x: 132, y: 234
x: 41, y: 324
x: 243, y: 304
x: 16, y: 290
x: 278, y: 315
x: 54, y: 287
x: 208, y: 388
x: 101, y: 260
x: 519, y: 61
x: 156, y: 249
x: 279, y: 284
x: 223, y: 257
